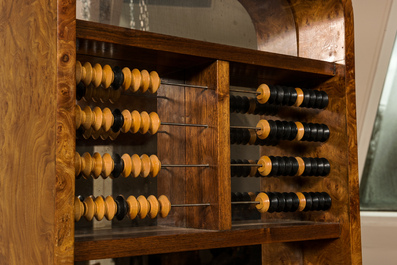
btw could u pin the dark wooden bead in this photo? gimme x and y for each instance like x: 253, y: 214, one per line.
x: 118, y: 78
x: 309, y: 201
x: 118, y: 166
x: 118, y: 120
x: 122, y: 207
x: 273, y: 202
x: 327, y: 201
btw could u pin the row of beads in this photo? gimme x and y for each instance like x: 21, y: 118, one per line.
x: 247, y: 136
x: 298, y: 97
x: 116, y: 120
x: 124, y: 165
x: 282, y: 166
x: 133, y: 80
x: 98, y: 94
x: 293, y: 201
x: 251, y: 106
x: 120, y: 207
x: 286, y: 130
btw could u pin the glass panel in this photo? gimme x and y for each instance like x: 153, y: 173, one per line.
x: 379, y: 181
x: 225, y: 22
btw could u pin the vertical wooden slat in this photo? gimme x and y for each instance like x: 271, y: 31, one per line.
x: 354, y: 201
x: 65, y: 133
x: 211, y: 145
x: 27, y: 131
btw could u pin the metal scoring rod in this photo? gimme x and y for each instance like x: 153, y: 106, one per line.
x: 245, y: 91
x: 245, y: 165
x: 184, y: 85
x: 245, y: 127
x: 199, y: 165
x: 208, y: 204
x: 184, y: 124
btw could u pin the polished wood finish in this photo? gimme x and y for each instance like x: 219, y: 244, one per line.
x: 37, y: 146
x: 311, y: 47
x: 158, y: 240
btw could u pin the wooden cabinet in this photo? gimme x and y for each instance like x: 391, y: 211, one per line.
x: 39, y: 138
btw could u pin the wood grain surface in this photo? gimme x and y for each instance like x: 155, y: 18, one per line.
x: 209, y: 146
x: 28, y: 83
x: 158, y: 240
x: 65, y: 133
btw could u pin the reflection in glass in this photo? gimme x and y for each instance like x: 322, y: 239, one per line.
x: 379, y: 181
x: 224, y: 22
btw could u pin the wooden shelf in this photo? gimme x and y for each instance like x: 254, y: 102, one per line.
x: 162, y: 52
x: 161, y: 239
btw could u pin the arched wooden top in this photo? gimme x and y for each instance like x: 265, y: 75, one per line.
x: 312, y: 29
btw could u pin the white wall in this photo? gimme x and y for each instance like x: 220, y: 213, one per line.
x: 375, y: 28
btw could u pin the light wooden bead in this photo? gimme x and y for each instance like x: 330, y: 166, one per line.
x: 96, y: 134
x: 95, y: 94
x: 97, y: 168
x: 89, y: 118
x: 87, y: 165
x: 133, y: 206
x: 144, y: 206
x: 88, y: 93
x: 253, y: 136
x: 264, y: 95
x: 88, y: 73
x: 302, y: 201
x: 264, y: 130
x: 77, y: 164
x: 145, y: 81
x: 252, y: 106
x: 113, y: 135
x: 299, y: 98
x: 107, y: 166
x: 97, y: 76
x: 301, y: 168
x: 135, y: 80
x: 114, y: 95
x: 98, y: 114
x: 107, y: 76
x: 165, y: 206
x: 253, y: 197
x: 154, y: 206
x: 154, y: 122
x: 136, y: 121
x: 105, y: 94
x: 136, y: 165
x: 111, y: 208
x: 79, y: 72
x: 108, y: 119
x: 301, y: 131
x: 90, y: 208
x: 127, y: 165
x: 253, y: 169
x: 264, y: 202
x: 104, y: 135
x: 145, y: 122
x: 266, y: 165
x: 88, y: 133
x: 78, y: 209
x: 100, y: 208
x: 145, y: 169
x: 154, y: 82
x: 127, y: 121
x: 127, y: 78
x: 155, y: 166
x: 79, y: 116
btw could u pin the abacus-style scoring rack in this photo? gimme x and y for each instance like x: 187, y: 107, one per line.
x: 191, y: 126
x: 120, y: 142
